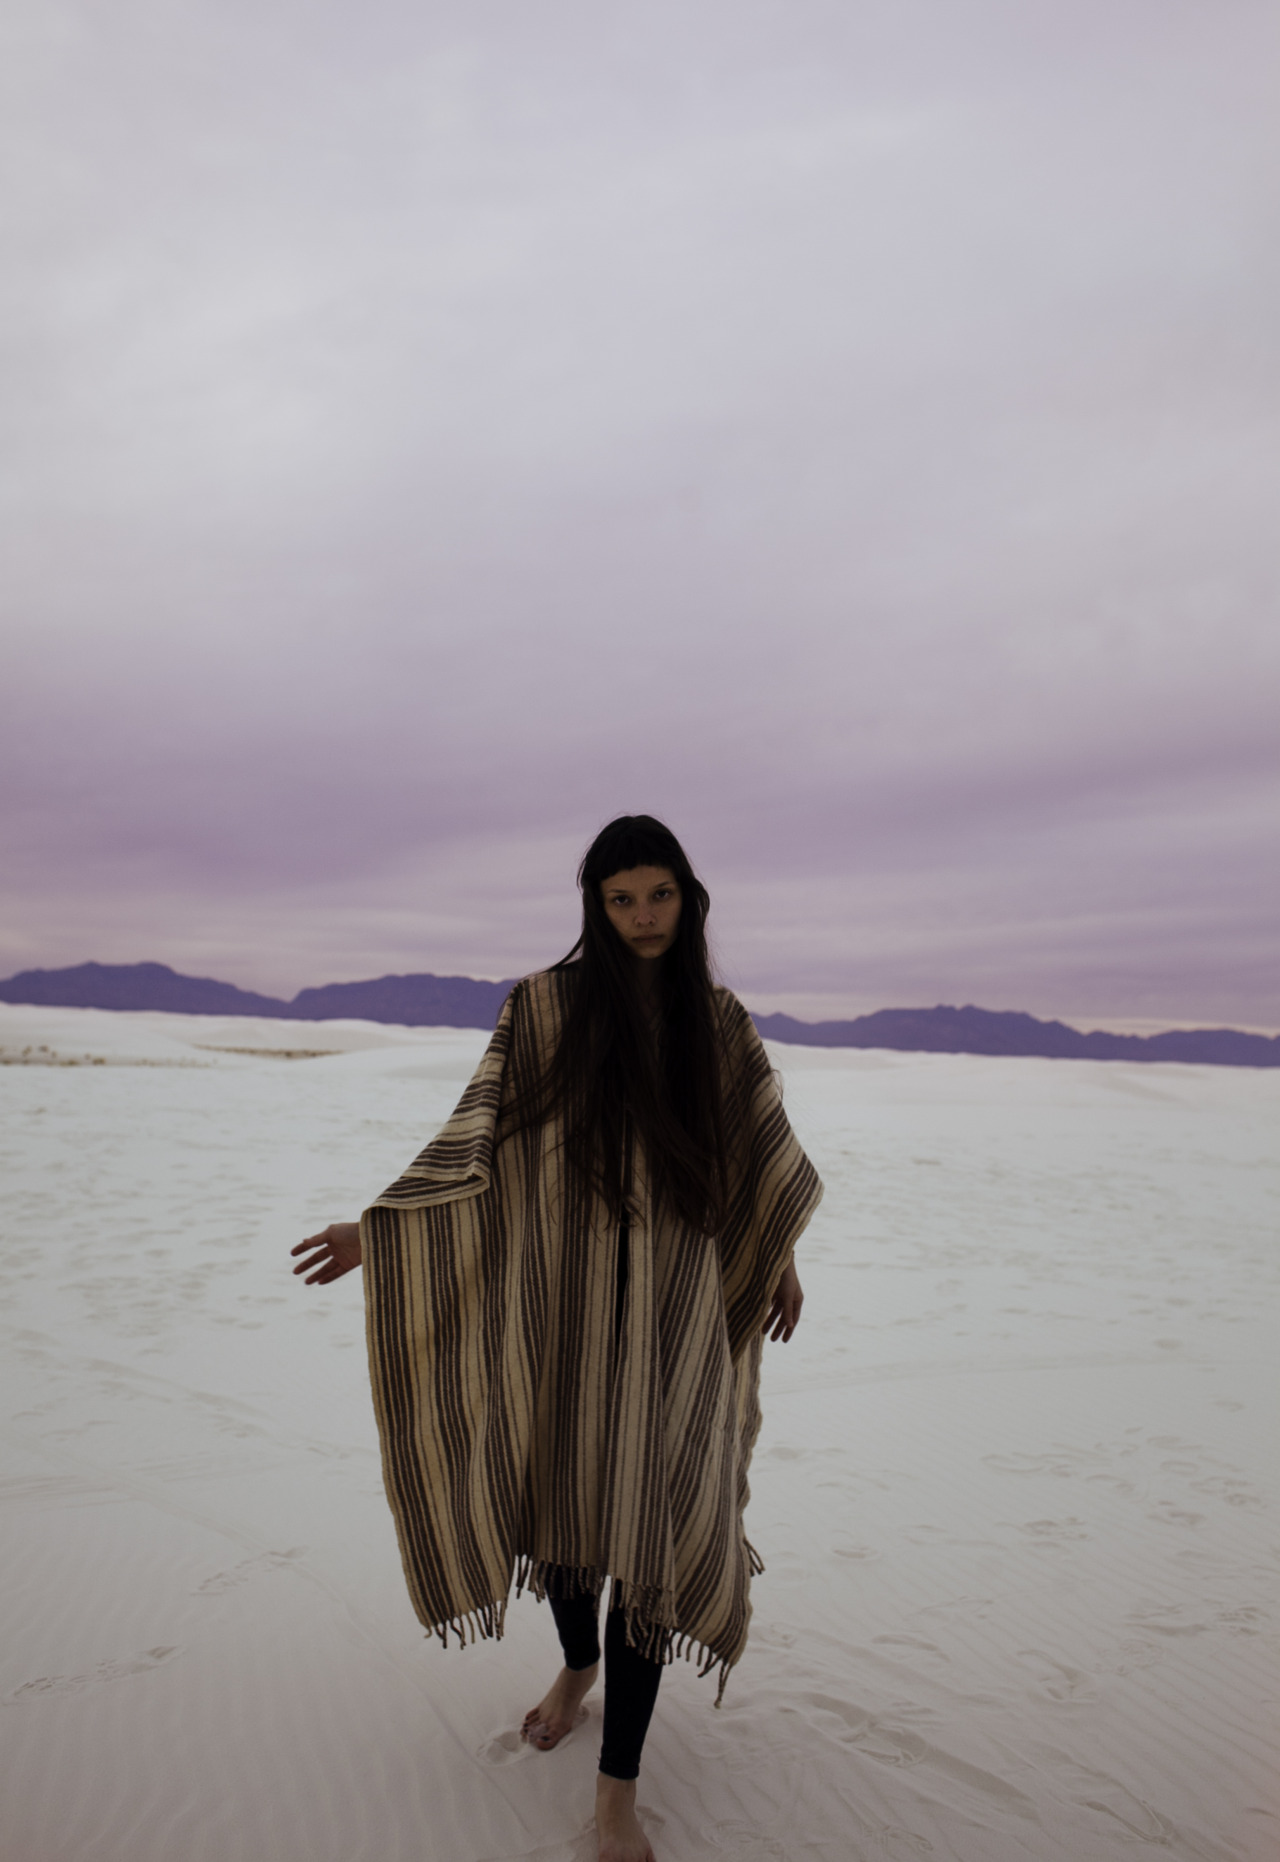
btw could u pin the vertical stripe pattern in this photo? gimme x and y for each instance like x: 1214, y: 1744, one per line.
x: 521, y: 1427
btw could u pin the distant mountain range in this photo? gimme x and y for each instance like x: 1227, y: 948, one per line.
x: 412, y: 1001
x: 992, y: 1031
x: 426, y: 1001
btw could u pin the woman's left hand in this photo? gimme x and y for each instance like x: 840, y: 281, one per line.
x: 784, y: 1314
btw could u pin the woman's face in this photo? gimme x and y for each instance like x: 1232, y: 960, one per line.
x: 644, y: 908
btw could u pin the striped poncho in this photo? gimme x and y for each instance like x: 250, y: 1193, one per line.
x: 528, y: 1429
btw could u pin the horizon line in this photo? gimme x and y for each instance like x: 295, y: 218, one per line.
x: 1140, y: 1025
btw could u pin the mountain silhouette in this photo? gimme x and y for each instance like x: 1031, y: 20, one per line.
x: 422, y: 1000
x: 970, y: 1030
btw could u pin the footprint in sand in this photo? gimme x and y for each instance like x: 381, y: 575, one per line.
x: 584, y: 1846
x: 773, y: 1635
x: 746, y: 1845
x: 965, y: 1608
x: 1246, y: 1621
x: 1106, y: 1797
x: 248, y: 1568
x: 895, y: 1745
x: 507, y: 1748
x: 1062, y: 1463
x: 1170, y: 1515
x: 916, y: 1643
x: 1234, y: 1492
x: 939, y: 1536
x: 894, y: 1843
x: 1134, y: 1656
x: 1056, y: 1679
x: 105, y: 1671
x: 1054, y: 1531
x: 1171, y: 1621
x: 580, y: 1848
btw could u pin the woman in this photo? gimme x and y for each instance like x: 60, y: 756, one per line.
x: 567, y: 1294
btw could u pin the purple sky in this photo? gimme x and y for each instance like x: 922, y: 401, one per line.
x: 850, y: 432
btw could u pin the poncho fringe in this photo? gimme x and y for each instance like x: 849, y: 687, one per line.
x: 528, y: 1436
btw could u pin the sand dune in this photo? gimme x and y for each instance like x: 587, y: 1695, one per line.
x: 1016, y: 1489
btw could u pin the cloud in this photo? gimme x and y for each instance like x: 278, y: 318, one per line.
x: 849, y: 435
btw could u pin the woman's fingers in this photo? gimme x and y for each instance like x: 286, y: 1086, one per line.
x: 313, y: 1241
x: 323, y: 1269
x: 328, y: 1255
x: 784, y: 1314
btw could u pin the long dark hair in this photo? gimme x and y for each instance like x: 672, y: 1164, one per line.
x: 610, y: 1072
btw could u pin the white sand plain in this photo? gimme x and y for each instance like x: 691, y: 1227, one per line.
x: 1016, y: 1489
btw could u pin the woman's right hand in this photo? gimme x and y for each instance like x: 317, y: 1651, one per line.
x: 330, y: 1254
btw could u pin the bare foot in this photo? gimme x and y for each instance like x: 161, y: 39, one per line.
x: 546, y: 1724
x: 617, y: 1826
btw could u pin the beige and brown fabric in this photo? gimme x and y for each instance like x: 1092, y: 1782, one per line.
x: 525, y: 1429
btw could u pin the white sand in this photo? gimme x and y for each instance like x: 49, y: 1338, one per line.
x: 1016, y: 1489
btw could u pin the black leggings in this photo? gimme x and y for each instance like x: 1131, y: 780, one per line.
x: 630, y: 1678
